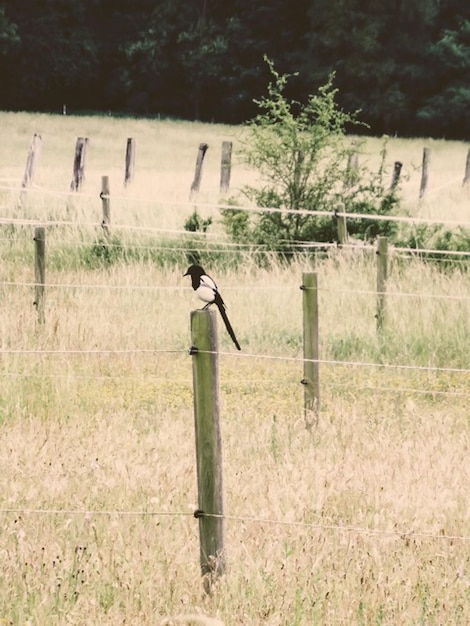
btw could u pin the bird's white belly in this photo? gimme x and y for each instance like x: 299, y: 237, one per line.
x: 205, y: 293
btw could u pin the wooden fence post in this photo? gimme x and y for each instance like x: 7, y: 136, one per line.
x: 201, y: 153
x: 382, y: 274
x: 31, y: 160
x: 341, y: 227
x: 466, y: 178
x: 225, y: 167
x: 396, y: 175
x: 424, y: 172
x: 210, y: 511
x: 40, y: 271
x: 352, y: 170
x: 311, y: 379
x: 79, y: 164
x: 106, y: 203
x: 130, y: 161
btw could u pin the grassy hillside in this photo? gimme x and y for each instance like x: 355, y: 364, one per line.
x: 363, y: 519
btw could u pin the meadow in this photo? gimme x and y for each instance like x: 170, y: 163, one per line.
x: 363, y: 519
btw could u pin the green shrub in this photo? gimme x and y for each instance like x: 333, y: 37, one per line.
x: 303, y: 159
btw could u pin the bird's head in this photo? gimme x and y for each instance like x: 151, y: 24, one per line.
x: 195, y: 270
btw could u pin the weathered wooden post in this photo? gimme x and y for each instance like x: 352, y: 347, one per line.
x: 341, y: 226
x: 130, y: 161
x: 424, y: 172
x: 31, y: 160
x: 201, y: 153
x: 210, y: 511
x: 352, y: 170
x: 396, y: 175
x: 466, y: 178
x: 382, y: 274
x: 105, y: 203
x: 79, y: 163
x: 225, y: 166
x: 311, y: 379
x: 40, y: 271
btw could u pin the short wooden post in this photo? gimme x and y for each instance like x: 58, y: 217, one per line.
x: 424, y: 172
x: 79, y: 164
x: 341, y: 226
x: 225, y: 166
x: 31, y: 160
x: 382, y: 274
x: 208, y: 444
x: 201, y: 153
x: 106, y: 203
x: 311, y: 379
x: 396, y: 175
x: 40, y: 271
x: 352, y: 170
x: 466, y: 178
x: 130, y: 161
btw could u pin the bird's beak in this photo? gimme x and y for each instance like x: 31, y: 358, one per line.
x: 187, y: 274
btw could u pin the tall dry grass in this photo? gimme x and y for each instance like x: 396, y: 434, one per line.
x: 362, y: 520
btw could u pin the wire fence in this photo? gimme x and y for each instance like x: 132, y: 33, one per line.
x: 321, y: 527
x: 88, y: 514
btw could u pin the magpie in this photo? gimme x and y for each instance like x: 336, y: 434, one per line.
x: 206, y: 290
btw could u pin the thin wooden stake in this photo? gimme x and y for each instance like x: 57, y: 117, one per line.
x: 352, y: 171
x: 466, y: 178
x: 382, y: 274
x: 31, y: 160
x: 79, y: 164
x: 201, y: 153
x: 396, y: 175
x: 311, y: 379
x: 424, y: 172
x: 40, y: 271
x: 130, y: 161
x: 106, y: 203
x: 208, y: 445
x: 225, y: 167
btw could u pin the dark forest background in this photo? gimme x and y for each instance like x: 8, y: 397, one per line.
x: 404, y: 63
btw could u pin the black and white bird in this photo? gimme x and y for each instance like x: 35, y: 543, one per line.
x: 206, y: 290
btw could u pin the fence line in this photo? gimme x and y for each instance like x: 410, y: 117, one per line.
x: 217, y: 239
x: 346, y: 528
x: 257, y: 209
x: 52, y: 192
x: 93, y: 352
x: 247, y: 381
x: 364, y: 292
x: 87, y: 513
x: 250, y: 248
x: 423, y: 368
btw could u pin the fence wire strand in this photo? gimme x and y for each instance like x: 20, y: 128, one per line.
x: 87, y: 514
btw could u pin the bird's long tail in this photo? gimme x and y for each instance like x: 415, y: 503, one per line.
x: 228, y: 326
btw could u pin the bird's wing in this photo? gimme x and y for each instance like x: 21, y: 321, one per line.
x: 207, y: 289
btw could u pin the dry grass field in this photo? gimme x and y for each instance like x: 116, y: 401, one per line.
x: 364, y: 519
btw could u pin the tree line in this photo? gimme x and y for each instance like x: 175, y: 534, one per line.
x: 405, y: 64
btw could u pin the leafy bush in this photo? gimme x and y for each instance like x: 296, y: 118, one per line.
x: 304, y: 162
x: 195, y: 223
x: 435, y: 237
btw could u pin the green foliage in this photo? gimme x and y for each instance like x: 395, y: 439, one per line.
x: 403, y: 64
x: 105, y: 251
x: 195, y: 223
x: 8, y: 34
x: 436, y: 237
x: 304, y: 162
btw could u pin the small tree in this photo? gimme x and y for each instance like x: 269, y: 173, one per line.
x: 302, y: 156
